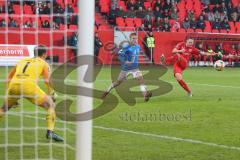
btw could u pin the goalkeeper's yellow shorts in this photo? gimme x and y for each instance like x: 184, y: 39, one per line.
x: 28, y: 90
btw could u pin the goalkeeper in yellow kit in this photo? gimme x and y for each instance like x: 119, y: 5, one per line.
x: 22, y: 82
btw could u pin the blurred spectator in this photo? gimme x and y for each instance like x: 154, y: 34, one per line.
x: 190, y: 15
x: 211, y: 16
x: 13, y: 23
x: 149, y: 28
x: 70, y: 9
x: 10, y: 8
x: 186, y: 23
x: 208, y: 58
x: 174, y: 14
x: 225, y: 25
x: 176, y: 25
x: 140, y: 13
x: 47, y: 8
x: 201, y: 23
x: 56, y: 26
x: 193, y: 23
x: 149, y: 45
x: 220, y: 50
x: 131, y: 13
x: 167, y: 5
x: 2, y: 23
x: 157, y: 12
x: 150, y: 13
x: 158, y: 24
x: 216, y: 8
x: 2, y: 8
x: 216, y: 24
x: 217, y: 15
x: 158, y: 4
x: 131, y: 4
x: 166, y: 25
x: 205, y: 2
x: 73, y: 42
x: 232, y: 55
x: 58, y: 9
x: 147, y: 21
x: 223, y: 8
x: 120, y: 12
x: 224, y: 16
x: 166, y: 14
x: 45, y: 24
x: 58, y: 19
x: 230, y: 9
x: 97, y: 46
x: 27, y: 24
x: 139, y: 3
x: 112, y: 15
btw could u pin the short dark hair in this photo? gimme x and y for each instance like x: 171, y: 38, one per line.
x: 133, y: 34
x: 39, y: 51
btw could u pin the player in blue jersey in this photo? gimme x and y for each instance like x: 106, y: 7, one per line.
x: 128, y: 57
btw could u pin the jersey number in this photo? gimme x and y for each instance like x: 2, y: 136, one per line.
x: 25, y: 67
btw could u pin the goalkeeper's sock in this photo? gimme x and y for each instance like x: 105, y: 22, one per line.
x: 50, y: 118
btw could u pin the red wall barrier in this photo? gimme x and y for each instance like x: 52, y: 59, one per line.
x: 164, y: 41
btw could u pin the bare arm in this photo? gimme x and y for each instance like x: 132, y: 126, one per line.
x: 176, y: 51
x: 10, y: 75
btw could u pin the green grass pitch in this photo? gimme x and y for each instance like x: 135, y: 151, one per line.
x: 204, y: 127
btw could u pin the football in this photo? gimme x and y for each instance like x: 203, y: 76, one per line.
x: 219, y: 65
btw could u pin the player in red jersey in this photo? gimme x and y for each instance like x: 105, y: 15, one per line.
x: 181, y: 55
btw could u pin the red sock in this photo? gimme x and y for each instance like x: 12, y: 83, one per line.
x: 184, y: 86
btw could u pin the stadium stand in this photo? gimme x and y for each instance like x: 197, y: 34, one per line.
x: 47, y: 19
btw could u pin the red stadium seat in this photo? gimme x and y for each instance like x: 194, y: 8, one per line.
x: 147, y: 5
x: 231, y: 24
x: 138, y: 22
x: 73, y: 27
x: 189, y: 5
x: 104, y: 2
x: 16, y: 9
x: 198, y: 30
x: 232, y: 31
x: 105, y: 9
x: 223, y: 31
x: 27, y: 9
x: 120, y: 21
x: 129, y: 22
x: 181, y: 30
x: 208, y: 30
x: 215, y: 31
x: 237, y: 24
x: 123, y: 5
x: 103, y: 27
x: 189, y: 30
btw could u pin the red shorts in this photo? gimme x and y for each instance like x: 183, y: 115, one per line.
x: 180, y: 66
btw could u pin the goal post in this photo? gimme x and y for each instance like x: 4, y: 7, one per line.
x: 86, y: 47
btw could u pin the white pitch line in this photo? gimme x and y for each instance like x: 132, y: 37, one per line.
x: 198, y: 84
x: 186, y: 140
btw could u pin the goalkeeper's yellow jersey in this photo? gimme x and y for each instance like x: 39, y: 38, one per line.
x: 30, y: 69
